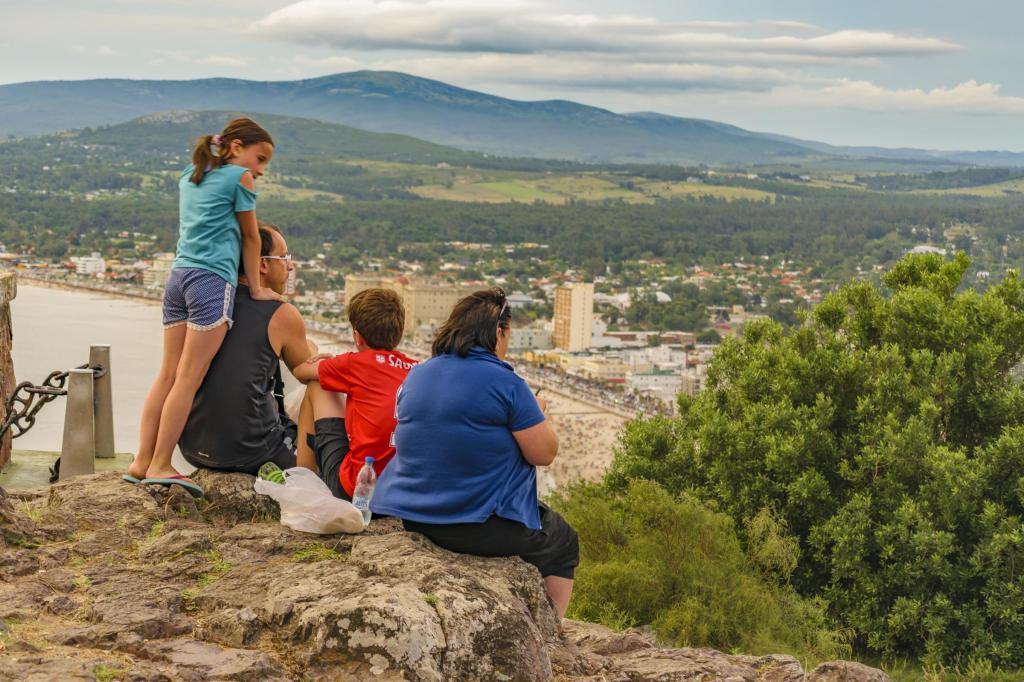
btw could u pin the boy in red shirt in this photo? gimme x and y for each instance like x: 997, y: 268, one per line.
x: 369, y: 379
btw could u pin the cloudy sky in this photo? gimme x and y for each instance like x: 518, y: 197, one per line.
x: 895, y: 73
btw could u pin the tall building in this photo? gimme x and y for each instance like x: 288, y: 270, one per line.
x: 156, y: 276
x: 427, y: 304
x: 574, y: 316
x: 89, y: 265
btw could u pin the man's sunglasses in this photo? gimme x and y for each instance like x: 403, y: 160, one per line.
x: 286, y: 257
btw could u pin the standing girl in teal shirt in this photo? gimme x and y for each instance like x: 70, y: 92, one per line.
x: 217, y: 230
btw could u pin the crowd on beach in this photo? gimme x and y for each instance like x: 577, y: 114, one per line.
x: 586, y: 441
x: 592, y: 390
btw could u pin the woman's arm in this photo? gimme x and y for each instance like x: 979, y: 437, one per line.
x: 539, y: 444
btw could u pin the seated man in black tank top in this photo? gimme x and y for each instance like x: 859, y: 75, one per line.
x: 238, y: 421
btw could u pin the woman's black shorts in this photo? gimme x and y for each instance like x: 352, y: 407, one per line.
x: 554, y: 549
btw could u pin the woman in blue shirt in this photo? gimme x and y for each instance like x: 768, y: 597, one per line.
x: 470, y: 436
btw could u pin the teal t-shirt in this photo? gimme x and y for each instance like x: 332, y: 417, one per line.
x: 209, y: 236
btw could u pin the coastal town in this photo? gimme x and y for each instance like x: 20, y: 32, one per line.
x: 584, y: 334
x: 578, y: 337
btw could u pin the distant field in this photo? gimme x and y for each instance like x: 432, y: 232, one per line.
x: 998, y: 189
x: 523, y: 191
x: 465, y: 192
x: 588, y: 188
x: 672, y: 190
x: 270, y: 190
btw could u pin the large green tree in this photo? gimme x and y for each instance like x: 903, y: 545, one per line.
x: 887, y: 431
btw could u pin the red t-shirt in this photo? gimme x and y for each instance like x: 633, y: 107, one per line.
x: 370, y: 379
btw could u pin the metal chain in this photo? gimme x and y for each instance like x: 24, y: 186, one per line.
x: 27, y: 399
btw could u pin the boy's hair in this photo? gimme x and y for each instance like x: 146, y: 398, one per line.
x: 379, y: 317
x: 245, y: 130
x: 474, y: 321
x: 267, y: 231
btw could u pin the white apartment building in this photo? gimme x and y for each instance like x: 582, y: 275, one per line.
x: 156, y: 276
x: 89, y: 265
x: 530, y: 338
x: 427, y: 304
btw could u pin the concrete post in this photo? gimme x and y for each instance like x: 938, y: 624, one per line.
x: 78, y: 449
x: 99, y: 354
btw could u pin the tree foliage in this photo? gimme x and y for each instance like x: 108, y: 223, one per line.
x: 670, y: 561
x: 888, y: 433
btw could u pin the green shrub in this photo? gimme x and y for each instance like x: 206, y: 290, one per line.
x: 888, y: 434
x: 651, y: 558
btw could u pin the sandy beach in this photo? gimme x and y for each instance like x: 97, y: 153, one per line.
x: 586, y: 438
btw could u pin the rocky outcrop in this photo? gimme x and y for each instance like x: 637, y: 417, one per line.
x: 100, y: 579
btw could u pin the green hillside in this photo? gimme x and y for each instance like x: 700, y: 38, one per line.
x: 400, y: 103
x: 172, y: 133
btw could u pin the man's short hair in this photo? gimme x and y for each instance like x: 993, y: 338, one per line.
x: 267, y: 231
x: 379, y: 317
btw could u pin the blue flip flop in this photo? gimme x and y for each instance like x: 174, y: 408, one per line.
x: 129, y: 478
x: 193, y: 489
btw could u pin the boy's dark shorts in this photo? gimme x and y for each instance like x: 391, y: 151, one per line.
x: 330, y: 444
x: 554, y: 549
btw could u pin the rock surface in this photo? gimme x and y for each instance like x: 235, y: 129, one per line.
x: 101, y: 579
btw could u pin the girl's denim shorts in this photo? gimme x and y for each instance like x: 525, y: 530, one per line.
x: 199, y: 298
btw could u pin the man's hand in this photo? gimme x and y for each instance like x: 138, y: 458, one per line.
x: 265, y: 294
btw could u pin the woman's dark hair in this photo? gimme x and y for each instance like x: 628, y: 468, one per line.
x: 474, y: 321
x: 245, y: 130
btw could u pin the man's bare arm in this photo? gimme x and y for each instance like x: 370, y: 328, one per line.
x: 287, y: 334
x: 307, y: 371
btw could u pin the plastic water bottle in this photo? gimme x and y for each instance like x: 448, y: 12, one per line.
x: 366, y: 481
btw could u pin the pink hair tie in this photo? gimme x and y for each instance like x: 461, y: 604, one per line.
x: 215, y: 141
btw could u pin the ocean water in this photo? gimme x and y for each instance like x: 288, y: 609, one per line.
x: 53, y: 329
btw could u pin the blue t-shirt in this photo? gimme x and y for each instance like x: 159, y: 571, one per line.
x: 209, y: 236
x: 456, y: 459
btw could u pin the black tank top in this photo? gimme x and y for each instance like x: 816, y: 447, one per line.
x: 236, y: 415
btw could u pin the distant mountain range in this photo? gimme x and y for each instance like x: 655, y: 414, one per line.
x: 390, y: 102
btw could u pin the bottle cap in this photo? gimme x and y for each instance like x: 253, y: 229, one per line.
x: 369, y: 460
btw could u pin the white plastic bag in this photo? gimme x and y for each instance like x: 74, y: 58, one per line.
x: 308, y: 505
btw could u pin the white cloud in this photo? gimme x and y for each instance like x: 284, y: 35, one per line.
x: 527, y: 27
x: 336, y: 63
x: 969, y: 97
x: 302, y: 66
x: 770, y: 86
x: 222, y: 60
x: 226, y: 61
x: 101, y: 50
x: 598, y: 73
x: 526, y: 43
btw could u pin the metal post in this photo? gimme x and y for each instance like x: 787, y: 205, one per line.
x: 78, y: 449
x: 99, y: 354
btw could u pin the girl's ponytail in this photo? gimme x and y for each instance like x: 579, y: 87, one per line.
x: 203, y: 158
x: 245, y: 130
